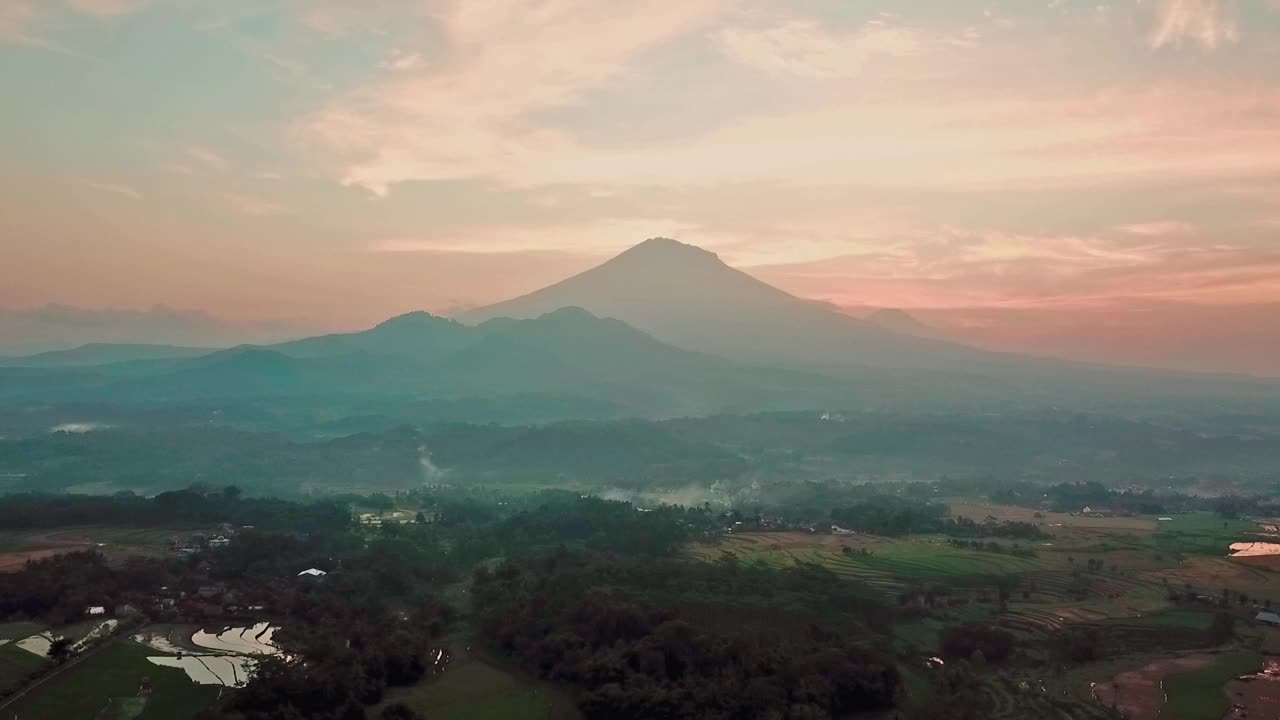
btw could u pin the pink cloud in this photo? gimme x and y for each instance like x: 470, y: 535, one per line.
x: 253, y: 206
x: 1209, y: 23
x: 114, y: 188
x: 468, y: 115
x: 807, y: 49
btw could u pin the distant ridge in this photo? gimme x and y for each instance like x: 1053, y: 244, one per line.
x: 102, y: 354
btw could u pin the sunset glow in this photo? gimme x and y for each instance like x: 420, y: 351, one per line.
x: 980, y: 163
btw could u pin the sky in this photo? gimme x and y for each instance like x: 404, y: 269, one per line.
x: 987, y: 164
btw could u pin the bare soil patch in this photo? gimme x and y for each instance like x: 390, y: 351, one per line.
x: 1139, y: 694
x: 14, y: 561
x: 1257, y: 696
x: 979, y: 511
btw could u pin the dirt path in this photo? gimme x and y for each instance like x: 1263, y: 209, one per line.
x: 1139, y: 694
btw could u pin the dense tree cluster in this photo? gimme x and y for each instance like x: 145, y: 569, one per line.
x: 970, y: 528
x: 195, y: 505
x: 972, y: 640
x: 59, y: 588
x: 636, y: 646
x: 891, y: 516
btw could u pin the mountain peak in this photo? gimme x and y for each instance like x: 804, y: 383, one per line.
x: 410, y: 320
x: 569, y: 313
x: 898, y: 321
x: 661, y: 248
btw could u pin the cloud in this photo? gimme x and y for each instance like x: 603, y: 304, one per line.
x: 20, y: 23
x: 974, y: 267
x: 600, y: 237
x: 117, y: 189
x: 1157, y: 228
x: 401, y: 60
x: 1210, y: 23
x: 253, y: 206
x: 341, y: 18
x: 16, y: 19
x: 468, y: 115
x: 108, y: 8
x: 805, y: 48
x: 1126, y: 135
x: 205, y: 157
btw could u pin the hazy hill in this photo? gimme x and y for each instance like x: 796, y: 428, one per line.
x: 569, y: 353
x: 102, y: 354
x: 900, y: 321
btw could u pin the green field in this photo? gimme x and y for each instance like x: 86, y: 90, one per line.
x: 1205, y: 533
x: 109, y: 678
x: 472, y: 689
x: 1200, y: 694
x: 1193, y: 619
x: 16, y: 665
x: 18, y: 630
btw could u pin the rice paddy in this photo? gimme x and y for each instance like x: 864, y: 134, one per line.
x: 226, y: 658
x: 117, y: 677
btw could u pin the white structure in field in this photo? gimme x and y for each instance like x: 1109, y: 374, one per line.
x: 312, y: 572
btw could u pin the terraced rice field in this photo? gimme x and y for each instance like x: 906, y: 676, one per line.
x: 225, y: 658
x: 883, y: 563
x: 1212, y: 574
x: 1013, y: 699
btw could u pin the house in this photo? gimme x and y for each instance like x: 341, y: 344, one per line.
x: 95, y: 610
x: 211, y: 591
x: 1268, y: 618
x: 312, y: 572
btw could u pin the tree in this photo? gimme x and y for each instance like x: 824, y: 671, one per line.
x: 60, y: 648
x: 420, y: 518
x: 1223, y: 627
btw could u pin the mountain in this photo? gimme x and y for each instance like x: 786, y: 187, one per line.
x: 899, y: 321
x: 566, y: 354
x: 102, y: 354
x: 688, y: 297
x: 24, y: 331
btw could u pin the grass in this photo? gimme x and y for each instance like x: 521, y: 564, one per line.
x: 18, y: 630
x: 1203, y: 533
x: 1201, y: 694
x: 109, y: 678
x: 1192, y: 619
x: 925, y: 635
x: 473, y: 689
x: 16, y: 664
